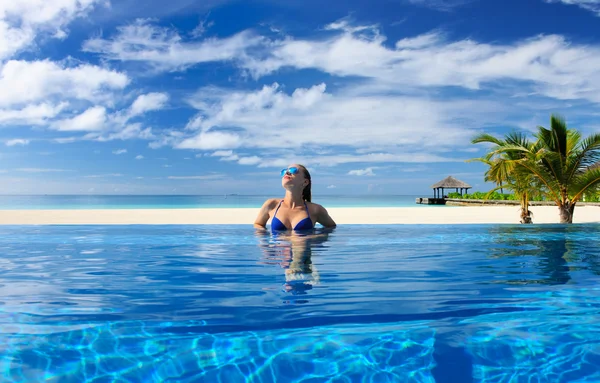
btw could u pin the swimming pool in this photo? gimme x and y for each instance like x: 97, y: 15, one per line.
x: 406, y: 303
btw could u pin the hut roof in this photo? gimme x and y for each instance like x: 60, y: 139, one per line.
x: 451, y: 183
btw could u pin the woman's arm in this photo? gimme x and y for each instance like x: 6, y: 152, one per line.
x: 323, y: 217
x: 263, y: 215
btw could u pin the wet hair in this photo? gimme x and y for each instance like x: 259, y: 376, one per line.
x: 306, y: 193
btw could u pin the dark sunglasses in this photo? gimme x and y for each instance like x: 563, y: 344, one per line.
x: 292, y: 170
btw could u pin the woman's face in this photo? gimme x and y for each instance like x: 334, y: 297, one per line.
x: 292, y: 179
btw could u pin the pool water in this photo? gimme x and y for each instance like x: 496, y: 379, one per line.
x: 391, y: 303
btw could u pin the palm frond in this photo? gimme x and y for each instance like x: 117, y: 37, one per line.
x: 589, y: 151
x: 544, y: 177
x: 574, y: 140
x: 587, y: 181
x: 485, y: 137
x: 517, y: 139
x: 559, y: 134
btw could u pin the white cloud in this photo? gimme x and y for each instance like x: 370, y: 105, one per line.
x: 148, y: 102
x: 390, y: 117
x: 120, y: 151
x: 65, y: 140
x: 362, y: 172
x: 254, y: 160
x: 34, y: 114
x: 104, y: 175
x: 93, y: 119
x: 41, y: 170
x: 23, y: 20
x: 210, y: 141
x: 226, y: 155
x: 164, y: 49
x: 441, y: 5
x: 348, y: 27
x: 331, y: 187
x: 334, y: 160
x: 590, y: 5
x: 139, y: 157
x: 16, y: 141
x: 233, y: 157
x: 389, y: 114
x: 167, y: 137
x: 66, y: 95
x: 201, y: 177
x: 222, y: 153
x: 271, y: 119
x: 106, y: 126
x: 201, y: 28
x: 35, y: 81
x: 421, y: 41
x: 129, y: 132
x: 45, y: 93
x: 547, y: 65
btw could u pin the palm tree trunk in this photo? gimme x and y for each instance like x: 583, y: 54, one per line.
x: 565, y: 212
x: 525, y: 213
x: 526, y: 216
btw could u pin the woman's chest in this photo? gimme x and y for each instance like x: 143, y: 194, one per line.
x: 291, y: 217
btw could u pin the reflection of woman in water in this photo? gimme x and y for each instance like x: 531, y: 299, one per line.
x: 295, y: 210
x: 293, y: 252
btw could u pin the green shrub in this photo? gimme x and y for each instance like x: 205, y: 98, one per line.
x: 592, y: 198
x: 481, y: 195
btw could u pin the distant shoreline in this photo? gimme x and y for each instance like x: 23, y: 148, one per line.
x: 110, y: 202
x: 498, y: 214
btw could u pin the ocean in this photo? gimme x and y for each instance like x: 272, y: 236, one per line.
x: 28, y: 202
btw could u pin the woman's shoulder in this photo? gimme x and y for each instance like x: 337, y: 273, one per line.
x: 314, y: 207
x: 271, y: 202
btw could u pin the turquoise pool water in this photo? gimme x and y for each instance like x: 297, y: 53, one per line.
x: 407, y: 303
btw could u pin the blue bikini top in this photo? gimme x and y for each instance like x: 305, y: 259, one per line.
x: 305, y: 224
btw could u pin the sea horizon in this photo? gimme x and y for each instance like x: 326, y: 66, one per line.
x: 187, y: 201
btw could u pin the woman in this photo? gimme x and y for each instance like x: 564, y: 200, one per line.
x: 295, y: 210
x: 294, y: 254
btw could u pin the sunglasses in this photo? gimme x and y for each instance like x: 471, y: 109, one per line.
x: 292, y: 170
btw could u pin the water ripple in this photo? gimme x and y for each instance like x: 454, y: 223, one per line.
x: 359, y: 303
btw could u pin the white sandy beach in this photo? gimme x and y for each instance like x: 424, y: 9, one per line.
x: 343, y: 216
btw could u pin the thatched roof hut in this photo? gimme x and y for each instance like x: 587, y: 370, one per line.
x: 449, y: 183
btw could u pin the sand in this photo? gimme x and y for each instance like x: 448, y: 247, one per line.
x: 343, y: 216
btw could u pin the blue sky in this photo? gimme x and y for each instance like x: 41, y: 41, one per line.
x: 213, y: 97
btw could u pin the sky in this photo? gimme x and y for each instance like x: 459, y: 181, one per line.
x: 217, y: 96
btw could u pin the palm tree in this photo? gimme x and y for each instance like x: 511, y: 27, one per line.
x: 561, y: 161
x: 504, y: 169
